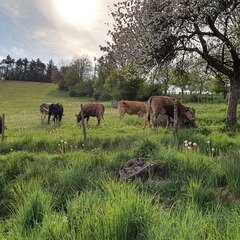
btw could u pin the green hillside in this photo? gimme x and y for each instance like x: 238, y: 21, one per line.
x: 52, y: 186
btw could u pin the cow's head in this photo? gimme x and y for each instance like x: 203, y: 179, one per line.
x: 79, y: 117
x: 122, y: 103
x: 190, y: 114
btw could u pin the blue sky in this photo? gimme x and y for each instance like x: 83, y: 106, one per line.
x: 53, y: 29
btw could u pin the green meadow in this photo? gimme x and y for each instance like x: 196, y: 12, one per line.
x: 53, y: 186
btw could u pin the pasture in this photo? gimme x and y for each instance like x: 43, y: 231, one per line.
x: 52, y: 186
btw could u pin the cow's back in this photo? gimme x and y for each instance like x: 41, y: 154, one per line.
x: 161, y: 104
x: 93, y: 109
x: 133, y: 107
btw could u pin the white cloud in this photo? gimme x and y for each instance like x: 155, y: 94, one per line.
x: 46, y: 34
x: 19, y: 52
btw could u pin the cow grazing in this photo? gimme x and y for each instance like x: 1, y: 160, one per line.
x: 92, y: 110
x: 165, y: 105
x: 44, y: 108
x: 132, y: 108
x: 55, y: 110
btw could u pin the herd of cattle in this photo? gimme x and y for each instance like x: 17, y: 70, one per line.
x: 156, y: 109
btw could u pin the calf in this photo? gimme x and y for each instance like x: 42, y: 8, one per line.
x: 91, y: 110
x: 132, y: 108
x: 44, y: 109
x: 55, y: 110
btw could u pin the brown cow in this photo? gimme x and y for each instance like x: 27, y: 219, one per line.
x: 165, y: 105
x: 92, y: 110
x: 131, y: 108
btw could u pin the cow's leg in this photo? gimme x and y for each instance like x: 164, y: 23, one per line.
x: 99, y: 119
x: 121, y: 113
x: 60, y: 118
x: 54, y: 118
x: 169, y: 121
x: 146, y: 122
x: 49, y: 116
x: 43, y: 116
x: 87, y: 119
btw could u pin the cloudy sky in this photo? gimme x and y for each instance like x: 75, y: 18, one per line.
x: 53, y: 29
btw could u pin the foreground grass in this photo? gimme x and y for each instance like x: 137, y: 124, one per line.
x: 54, y: 187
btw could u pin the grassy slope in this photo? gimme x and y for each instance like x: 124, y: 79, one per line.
x: 51, y: 190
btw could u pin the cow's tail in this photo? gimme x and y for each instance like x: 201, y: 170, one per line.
x: 148, y: 115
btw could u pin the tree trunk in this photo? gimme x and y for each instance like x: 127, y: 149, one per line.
x: 233, y: 101
x: 182, y: 90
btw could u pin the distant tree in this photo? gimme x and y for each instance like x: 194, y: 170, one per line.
x: 50, y: 67
x: 180, y: 78
x: 162, y: 74
x: 103, y: 69
x: 25, y: 68
x: 75, y: 76
x: 7, y: 67
x: 83, y: 67
x: 57, y: 78
x: 124, y: 84
x: 18, y: 73
x: 220, y: 85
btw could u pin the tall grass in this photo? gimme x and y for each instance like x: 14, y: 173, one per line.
x: 54, y: 187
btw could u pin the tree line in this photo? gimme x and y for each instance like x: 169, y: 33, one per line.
x: 26, y: 70
x: 104, y: 80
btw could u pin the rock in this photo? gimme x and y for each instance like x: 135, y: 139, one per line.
x: 142, y: 168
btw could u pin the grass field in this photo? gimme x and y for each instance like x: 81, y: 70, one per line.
x: 52, y: 186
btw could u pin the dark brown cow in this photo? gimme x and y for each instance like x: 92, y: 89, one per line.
x: 55, y: 110
x: 92, y: 110
x: 165, y: 105
x: 132, y: 108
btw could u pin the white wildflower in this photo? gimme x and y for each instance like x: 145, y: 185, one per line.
x: 213, y: 149
x: 194, y: 144
x: 62, y: 141
x: 208, y: 142
x: 185, y: 141
x: 186, y: 145
x: 190, y: 143
x: 65, y: 142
